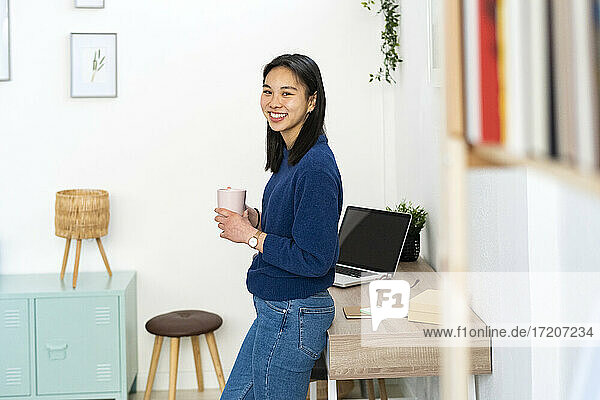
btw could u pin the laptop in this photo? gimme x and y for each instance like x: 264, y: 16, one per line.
x: 371, y: 242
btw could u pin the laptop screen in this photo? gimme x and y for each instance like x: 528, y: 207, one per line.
x: 372, y: 239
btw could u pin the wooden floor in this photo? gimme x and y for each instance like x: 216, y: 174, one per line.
x: 394, y: 392
x: 208, y: 394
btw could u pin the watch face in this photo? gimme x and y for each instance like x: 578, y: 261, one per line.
x: 253, y: 241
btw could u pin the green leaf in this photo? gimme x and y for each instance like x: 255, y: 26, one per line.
x: 389, y: 38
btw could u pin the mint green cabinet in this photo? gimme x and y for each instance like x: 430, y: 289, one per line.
x: 57, y: 342
x: 14, y: 350
x: 77, y: 334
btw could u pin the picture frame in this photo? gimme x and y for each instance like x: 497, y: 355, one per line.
x: 93, y: 65
x: 434, y: 25
x: 4, y: 41
x: 89, y: 3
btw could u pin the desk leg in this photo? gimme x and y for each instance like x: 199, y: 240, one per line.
x: 331, y: 389
x: 471, y: 389
x: 331, y: 383
x: 313, y: 390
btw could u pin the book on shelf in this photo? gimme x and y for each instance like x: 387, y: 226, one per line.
x: 532, y: 78
x: 564, y: 84
x: 596, y: 41
x: 514, y: 45
x: 539, y: 68
x: 472, y: 76
x: 586, y: 84
x: 488, y: 56
x: 552, y: 139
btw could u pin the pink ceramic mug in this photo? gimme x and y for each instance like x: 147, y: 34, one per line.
x: 232, y: 199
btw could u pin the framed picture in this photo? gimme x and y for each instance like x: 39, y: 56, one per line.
x: 89, y: 3
x: 93, y: 65
x: 4, y: 42
x: 434, y: 13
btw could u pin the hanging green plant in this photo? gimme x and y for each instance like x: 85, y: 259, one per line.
x: 389, y: 35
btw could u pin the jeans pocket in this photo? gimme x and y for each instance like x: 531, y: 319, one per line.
x: 314, y: 322
x: 278, y: 306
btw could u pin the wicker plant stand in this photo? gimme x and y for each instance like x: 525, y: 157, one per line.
x: 81, y: 214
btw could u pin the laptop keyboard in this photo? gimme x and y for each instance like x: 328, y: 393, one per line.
x: 351, y: 271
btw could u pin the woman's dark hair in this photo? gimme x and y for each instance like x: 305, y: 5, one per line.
x: 307, y: 72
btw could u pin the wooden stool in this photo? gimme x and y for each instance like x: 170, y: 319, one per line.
x: 382, y: 389
x: 179, y: 324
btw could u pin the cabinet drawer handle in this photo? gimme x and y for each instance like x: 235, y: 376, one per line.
x: 57, y: 351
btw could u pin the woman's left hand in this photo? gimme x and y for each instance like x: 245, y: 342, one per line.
x: 236, y: 227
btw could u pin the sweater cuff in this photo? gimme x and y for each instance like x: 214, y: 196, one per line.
x: 270, y: 244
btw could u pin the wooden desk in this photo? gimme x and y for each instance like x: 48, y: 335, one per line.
x: 398, y: 348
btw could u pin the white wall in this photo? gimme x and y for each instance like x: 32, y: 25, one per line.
x: 416, y: 118
x: 565, y: 222
x: 528, y: 222
x: 418, y: 124
x: 187, y: 121
x: 498, y: 239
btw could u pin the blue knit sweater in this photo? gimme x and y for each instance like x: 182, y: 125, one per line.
x: 301, y: 208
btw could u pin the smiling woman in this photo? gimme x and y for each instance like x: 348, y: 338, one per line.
x: 285, y: 106
x: 296, y: 238
x: 292, y: 86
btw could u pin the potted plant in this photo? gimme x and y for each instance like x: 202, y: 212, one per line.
x: 412, y: 244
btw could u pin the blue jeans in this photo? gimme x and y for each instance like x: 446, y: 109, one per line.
x: 280, y: 349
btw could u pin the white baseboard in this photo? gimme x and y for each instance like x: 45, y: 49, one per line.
x: 186, y: 380
x: 392, y: 398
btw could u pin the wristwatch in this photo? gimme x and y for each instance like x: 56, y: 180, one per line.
x: 253, y: 241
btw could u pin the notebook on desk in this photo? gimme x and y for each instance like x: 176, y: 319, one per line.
x: 371, y: 242
x: 357, y: 312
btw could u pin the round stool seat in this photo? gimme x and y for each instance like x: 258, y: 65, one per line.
x: 184, y: 323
